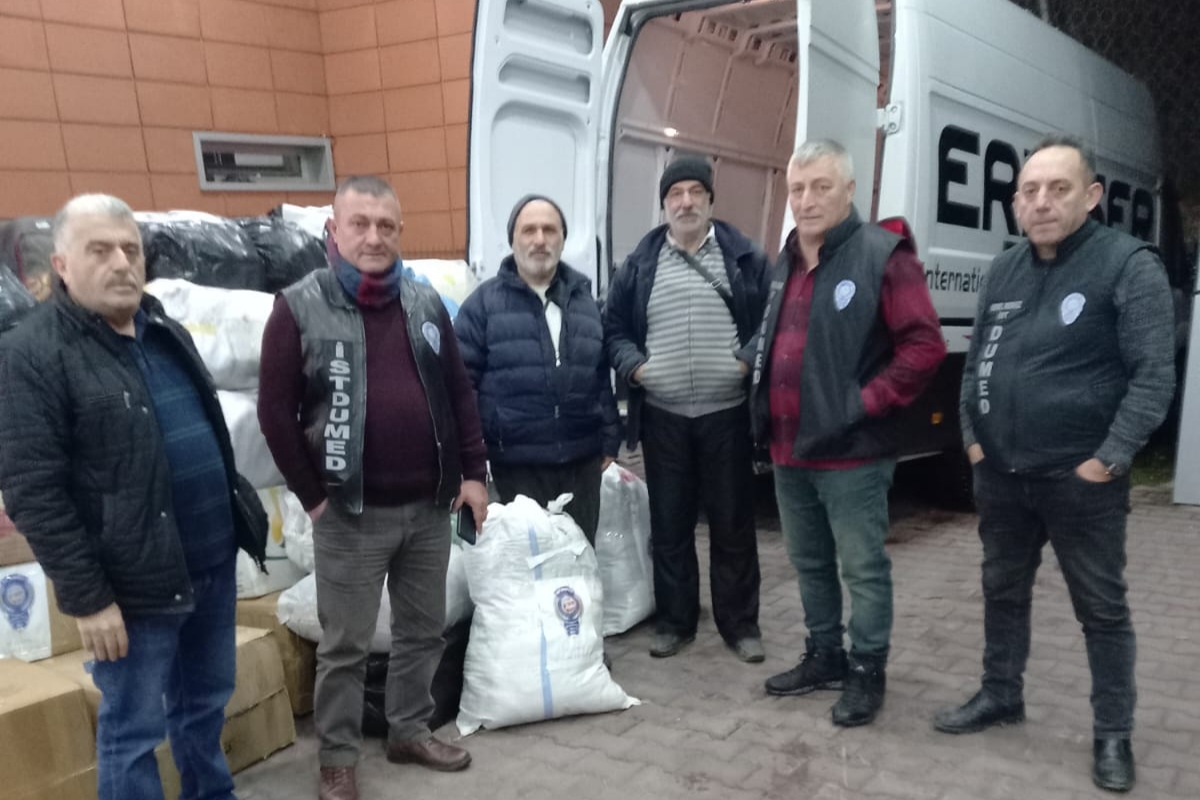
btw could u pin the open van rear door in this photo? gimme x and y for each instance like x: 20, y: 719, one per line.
x: 534, y: 112
x: 838, y: 72
x: 839, y: 83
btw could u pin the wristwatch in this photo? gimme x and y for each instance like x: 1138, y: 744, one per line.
x: 1116, y: 470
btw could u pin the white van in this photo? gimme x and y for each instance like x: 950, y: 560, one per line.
x: 937, y: 100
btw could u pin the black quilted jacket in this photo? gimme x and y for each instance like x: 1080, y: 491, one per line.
x: 83, y: 467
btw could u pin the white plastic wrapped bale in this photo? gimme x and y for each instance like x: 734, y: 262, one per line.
x: 226, y: 325
x: 281, y: 572
x: 297, y: 607
x: 290, y: 534
x: 253, y: 582
x: 536, y: 649
x: 250, y: 451
x: 310, y: 218
x: 452, y: 279
x: 623, y: 550
x: 298, y: 533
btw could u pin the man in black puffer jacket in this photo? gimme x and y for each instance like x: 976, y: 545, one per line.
x: 116, y: 464
x: 533, y: 344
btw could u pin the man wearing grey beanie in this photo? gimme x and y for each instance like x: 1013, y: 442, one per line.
x: 688, y: 298
x: 533, y: 344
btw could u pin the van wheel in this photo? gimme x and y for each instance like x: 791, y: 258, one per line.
x: 954, y: 482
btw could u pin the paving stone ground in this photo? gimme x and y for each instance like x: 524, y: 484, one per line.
x: 706, y: 729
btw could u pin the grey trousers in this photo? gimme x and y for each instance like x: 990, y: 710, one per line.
x: 408, y: 545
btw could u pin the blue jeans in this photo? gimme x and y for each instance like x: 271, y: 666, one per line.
x: 832, y: 515
x: 176, y: 679
x: 1085, y: 523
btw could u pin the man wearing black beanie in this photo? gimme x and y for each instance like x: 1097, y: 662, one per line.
x: 533, y: 343
x: 687, y: 299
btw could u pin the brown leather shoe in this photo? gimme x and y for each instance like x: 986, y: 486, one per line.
x: 338, y: 783
x: 432, y: 753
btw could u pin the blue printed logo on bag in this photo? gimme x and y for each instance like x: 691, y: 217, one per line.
x: 569, y: 608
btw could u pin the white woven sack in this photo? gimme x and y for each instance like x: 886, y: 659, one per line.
x: 250, y: 452
x: 623, y: 550
x: 253, y: 582
x: 297, y: 607
x: 536, y: 649
x: 226, y: 325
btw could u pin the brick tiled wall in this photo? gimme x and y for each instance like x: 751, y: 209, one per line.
x: 398, y: 77
x: 103, y: 95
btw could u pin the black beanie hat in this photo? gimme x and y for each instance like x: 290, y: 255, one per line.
x: 526, y: 200
x: 688, y: 168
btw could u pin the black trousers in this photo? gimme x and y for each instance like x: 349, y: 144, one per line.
x: 1085, y: 524
x: 545, y: 483
x: 693, y: 463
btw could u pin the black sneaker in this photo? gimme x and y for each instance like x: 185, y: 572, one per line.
x: 866, y: 681
x: 818, y: 669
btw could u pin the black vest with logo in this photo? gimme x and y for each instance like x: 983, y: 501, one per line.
x: 335, y: 363
x: 847, y: 344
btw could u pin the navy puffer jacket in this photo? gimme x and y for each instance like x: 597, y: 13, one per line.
x: 537, y: 411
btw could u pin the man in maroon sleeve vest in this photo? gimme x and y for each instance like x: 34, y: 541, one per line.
x: 378, y: 470
x: 850, y: 335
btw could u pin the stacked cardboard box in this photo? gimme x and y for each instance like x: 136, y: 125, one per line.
x: 299, y: 655
x: 258, y: 718
x: 31, y: 625
x: 49, y: 750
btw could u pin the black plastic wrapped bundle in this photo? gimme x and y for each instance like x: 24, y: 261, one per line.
x: 15, y: 300
x: 203, y: 249
x: 25, y: 247
x: 288, y: 251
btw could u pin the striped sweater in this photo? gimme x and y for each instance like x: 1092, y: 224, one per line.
x: 691, y: 337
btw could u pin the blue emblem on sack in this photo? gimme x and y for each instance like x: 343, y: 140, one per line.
x: 16, y: 598
x: 569, y: 608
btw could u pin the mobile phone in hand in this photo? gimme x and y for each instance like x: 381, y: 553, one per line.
x: 466, y: 524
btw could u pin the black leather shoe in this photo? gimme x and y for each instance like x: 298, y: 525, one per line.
x: 866, y: 682
x: 977, y: 714
x: 1113, y: 765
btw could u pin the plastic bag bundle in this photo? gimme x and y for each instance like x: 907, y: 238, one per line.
x: 15, y: 300
x: 226, y: 325
x: 201, y: 248
x: 453, y: 280
x: 311, y: 219
x: 288, y: 251
x: 536, y: 648
x: 253, y: 582
x: 25, y: 247
x: 623, y: 550
x: 250, y: 452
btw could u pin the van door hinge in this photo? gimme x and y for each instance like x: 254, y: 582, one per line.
x: 890, y: 117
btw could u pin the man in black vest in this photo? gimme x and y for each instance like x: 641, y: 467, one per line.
x: 1070, y: 370
x: 849, y: 336
x: 369, y: 414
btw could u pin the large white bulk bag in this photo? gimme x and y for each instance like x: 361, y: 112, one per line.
x: 623, y: 550
x: 250, y: 452
x: 253, y: 582
x: 297, y: 607
x: 226, y: 325
x: 536, y: 648
x: 291, y: 528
